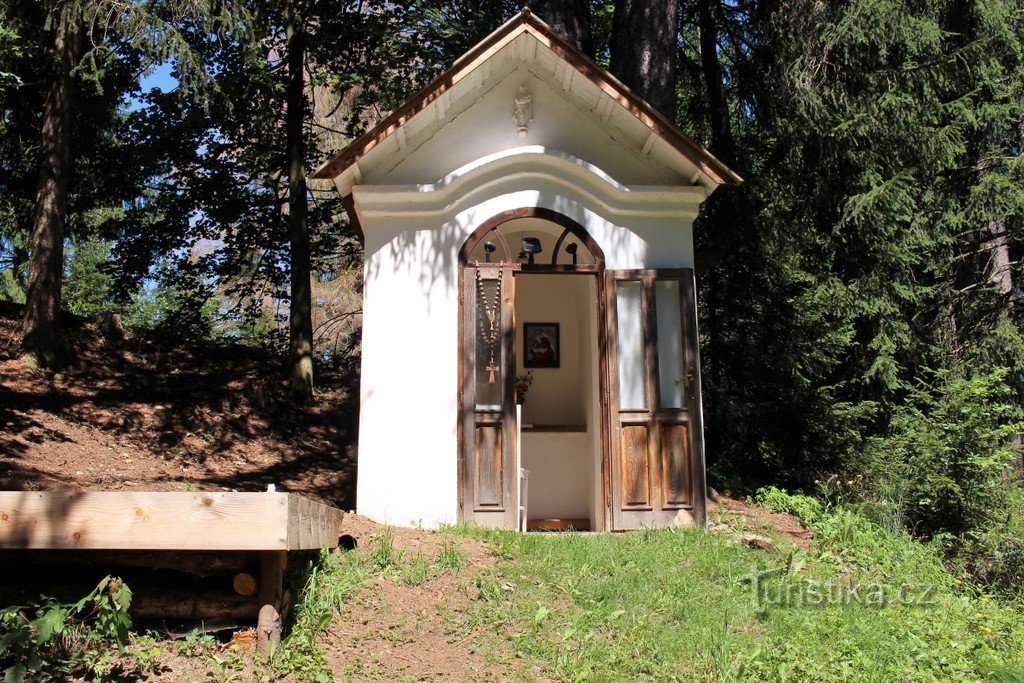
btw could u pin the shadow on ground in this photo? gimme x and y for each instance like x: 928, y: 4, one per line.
x: 143, y: 413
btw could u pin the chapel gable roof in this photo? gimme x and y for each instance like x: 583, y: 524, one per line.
x: 525, y: 39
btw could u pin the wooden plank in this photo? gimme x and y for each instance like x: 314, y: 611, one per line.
x: 610, y: 410
x: 312, y: 524
x: 688, y: 300
x: 509, y: 466
x: 675, y: 454
x: 195, y: 562
x: 116, y: 520
x: 190, y: 604
x: 489, y: 483
x: 604, y: 522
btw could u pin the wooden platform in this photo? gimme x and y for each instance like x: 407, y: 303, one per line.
x: 143, y: 528
x: 114, y: 520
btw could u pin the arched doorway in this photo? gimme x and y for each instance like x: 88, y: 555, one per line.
x: 532, y: 300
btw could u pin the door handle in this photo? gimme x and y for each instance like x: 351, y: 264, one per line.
x: 691, y: 382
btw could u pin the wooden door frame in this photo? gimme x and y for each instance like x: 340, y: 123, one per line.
x: 597, y: 269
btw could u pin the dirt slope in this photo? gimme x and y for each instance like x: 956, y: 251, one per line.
x: 137, y: 413
x: 395, y: 631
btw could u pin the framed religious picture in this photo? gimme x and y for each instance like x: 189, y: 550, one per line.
x: 541, y: 345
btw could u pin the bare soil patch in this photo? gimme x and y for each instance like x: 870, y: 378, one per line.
x: 140, y: 413
x: 396, y: 631
x: 738, y: 513
x: 391, y: 630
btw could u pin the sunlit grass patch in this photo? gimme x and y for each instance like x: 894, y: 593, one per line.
x: 664, y: 605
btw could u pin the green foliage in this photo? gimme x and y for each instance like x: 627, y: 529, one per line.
x: 881, y: 149
x: 185, y: 309
x: 384, y: 556
x: 10, y: 288
x: 9, y: 48
x: 951, y: 453
x: 416, y: 571
x: 87, y: 288
x: 994, y: 556
x: 806, y: 508
x: 49, y: 639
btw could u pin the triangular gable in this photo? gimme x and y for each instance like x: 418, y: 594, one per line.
x: 713, y: 171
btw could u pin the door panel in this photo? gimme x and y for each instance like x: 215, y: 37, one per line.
x: 654, y: 407
x: 487, y: 467
x: 675, y: 459
x: 489, y: 457
x: 636, y: 467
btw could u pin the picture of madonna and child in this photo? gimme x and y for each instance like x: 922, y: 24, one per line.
x: 540, y: 342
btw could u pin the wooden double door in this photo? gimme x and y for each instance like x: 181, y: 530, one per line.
x: 651, y: 455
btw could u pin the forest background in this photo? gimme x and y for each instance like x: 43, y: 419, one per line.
x: 860, y: 294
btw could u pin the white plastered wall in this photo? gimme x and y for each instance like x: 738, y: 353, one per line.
x: 408, y: 449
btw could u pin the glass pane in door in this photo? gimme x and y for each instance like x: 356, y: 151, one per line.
x: 629, y: 309
x: 488, y: 346
x: 671, y: 361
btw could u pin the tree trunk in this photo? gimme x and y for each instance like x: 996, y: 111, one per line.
x: 722, y: 144
x: 570, y: 19
x: 42, y: 336
x: 644, y: 49
x: 1000, y: 270
x: 1000, y: 278
x: 300, y: 349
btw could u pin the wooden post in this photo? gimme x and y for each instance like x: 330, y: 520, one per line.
x: 271, y: 589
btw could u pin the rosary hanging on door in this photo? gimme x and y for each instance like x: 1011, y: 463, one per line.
x: 490, y: 327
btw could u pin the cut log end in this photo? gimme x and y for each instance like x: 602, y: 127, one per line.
x: 244, y: 584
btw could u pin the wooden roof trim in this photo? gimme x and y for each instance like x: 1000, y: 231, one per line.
x: 636, y: 106
x: 421, y: 100
x: 527, y: 22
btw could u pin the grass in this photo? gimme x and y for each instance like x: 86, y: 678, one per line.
x: 328, y: 582
x: 450, y: 557
x: 664, y: 606
x: 675, y: 606
x: 384, y: 555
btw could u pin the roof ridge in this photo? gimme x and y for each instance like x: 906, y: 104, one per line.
x: 529, y: 22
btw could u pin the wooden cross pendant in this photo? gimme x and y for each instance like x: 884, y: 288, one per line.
x: 491, y: 369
